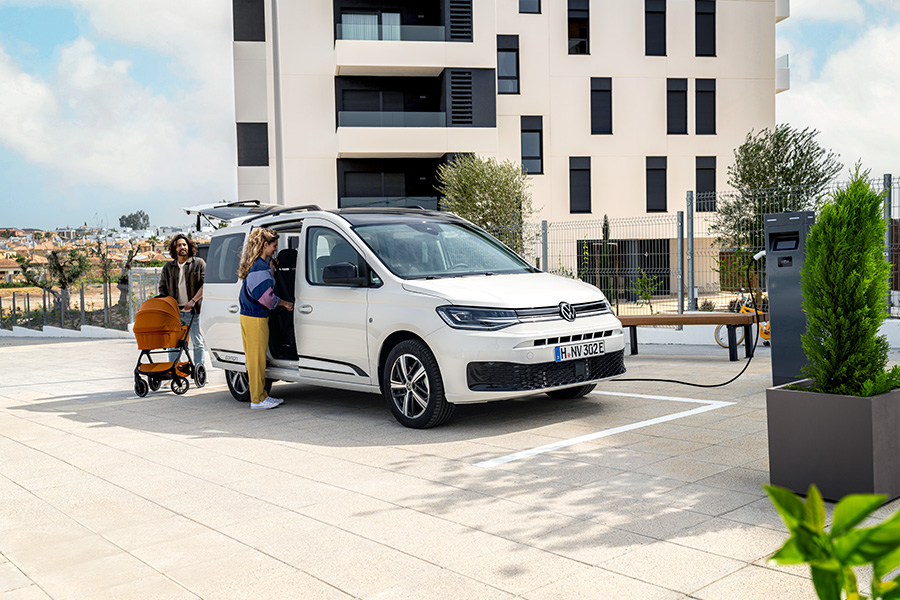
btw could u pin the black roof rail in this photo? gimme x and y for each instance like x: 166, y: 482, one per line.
x: 286, y: 209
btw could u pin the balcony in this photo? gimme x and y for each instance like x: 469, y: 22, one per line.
x: 426, y: 202
x: 782, y: 10
x: 359, y: 118
x: 782, y: 74
x: 391, y: 32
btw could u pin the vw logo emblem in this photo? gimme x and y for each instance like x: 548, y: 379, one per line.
x: 567, y: 311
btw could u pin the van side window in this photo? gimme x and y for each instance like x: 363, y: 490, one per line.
x: 327, y: 247
x: 224, y: 258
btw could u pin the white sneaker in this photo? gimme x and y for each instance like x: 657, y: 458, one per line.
x: 277, y: 401
x: 265, y: 404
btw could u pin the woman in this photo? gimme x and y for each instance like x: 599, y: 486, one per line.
x: 257, y: 299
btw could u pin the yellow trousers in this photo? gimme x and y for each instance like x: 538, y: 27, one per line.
x: 255, y: 335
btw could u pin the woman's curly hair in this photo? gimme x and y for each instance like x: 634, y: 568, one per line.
x: 258, y: 239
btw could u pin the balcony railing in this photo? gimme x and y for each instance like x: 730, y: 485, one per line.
x: 391, y: 119
x: 427, y: 202
x: 402, y: 33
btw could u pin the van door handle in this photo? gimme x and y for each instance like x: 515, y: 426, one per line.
x: 305, y: 309
x: 233, y: 308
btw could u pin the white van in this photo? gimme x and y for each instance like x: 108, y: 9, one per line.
x: 420, y: 306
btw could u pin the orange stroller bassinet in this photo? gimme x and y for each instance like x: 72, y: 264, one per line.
x: 158, y: 330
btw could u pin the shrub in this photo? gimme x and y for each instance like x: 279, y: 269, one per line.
x: 845, y: 285
x: 708, y: 306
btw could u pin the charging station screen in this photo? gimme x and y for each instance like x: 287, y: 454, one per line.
x: 785, y: 243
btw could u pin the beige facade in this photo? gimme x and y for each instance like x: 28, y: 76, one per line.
x: 308, y: 142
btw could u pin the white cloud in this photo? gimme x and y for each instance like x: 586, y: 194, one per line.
x: 853, y: 101
x: 95, y: 125
x: 828, y: 10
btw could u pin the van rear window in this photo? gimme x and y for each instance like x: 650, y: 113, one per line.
x: 224, y: 258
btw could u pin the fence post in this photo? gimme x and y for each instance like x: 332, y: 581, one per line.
x: 45, y: 305
x: 131, y: 296
x: 691, y: 288
x: 680, y: 273
x: 27, y: 309
x: 62, y: 310
x: 105, y: 306
x: 14, y: 310
x: 82, y: 305
x: 1, y: 312
x: 544, y: 249
x: 888, y: 184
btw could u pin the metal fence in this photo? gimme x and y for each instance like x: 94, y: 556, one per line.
x: 695, y: 259
x: 96, y: 304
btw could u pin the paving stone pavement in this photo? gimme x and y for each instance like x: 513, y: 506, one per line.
x: 106, y: 495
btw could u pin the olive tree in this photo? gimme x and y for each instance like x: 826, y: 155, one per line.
x: 63, y: 269
x: 492, y: 194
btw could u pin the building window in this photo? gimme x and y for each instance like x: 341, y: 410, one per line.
x: 507, y: 64
x: 706, y: 184
x: 705, y: 27
x: 253, y: 144
x: 249, y: 18
x: 655, y: 27
x: 601, y: 105
x: 676, y: 106
x: 706, y: 106
x: 370, y: 26
x: 530, y: 6
x: 533, y: 145
x: 578, y: 27
x: 579, y: 184
x: 656, y: 184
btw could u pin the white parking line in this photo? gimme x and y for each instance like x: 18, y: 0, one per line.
x: 708, y: 405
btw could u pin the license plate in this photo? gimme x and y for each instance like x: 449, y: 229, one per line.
x: 576, y: 351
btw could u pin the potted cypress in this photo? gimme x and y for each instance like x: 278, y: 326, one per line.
x: 840, y: 429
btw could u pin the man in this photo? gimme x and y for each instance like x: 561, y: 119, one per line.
x: 182, y: 279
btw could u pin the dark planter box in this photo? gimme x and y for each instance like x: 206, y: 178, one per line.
x: 843, y: 444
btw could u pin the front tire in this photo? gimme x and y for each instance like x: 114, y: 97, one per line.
x: 200, y: 376
x: 413, y: 387
x: 573, y: 392
x: 240, y: 387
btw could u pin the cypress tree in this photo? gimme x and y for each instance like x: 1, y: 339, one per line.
x: 845, y: 286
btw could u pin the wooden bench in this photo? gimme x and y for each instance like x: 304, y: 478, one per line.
x: 730, y: 320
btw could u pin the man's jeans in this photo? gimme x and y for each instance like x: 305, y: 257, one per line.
x: 195, y: 337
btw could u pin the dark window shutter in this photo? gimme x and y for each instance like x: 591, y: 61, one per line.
x: 461, y: 98
x: 705, y: 27
x: 253, y: 144
x: 580, y: 184
x: 655, y: 27
x: 601, y: 105
x: 249, y: 18
x: 460, y: 18
x: 676, y: 106
x: 706, y: 106
x: 656, y: 184
x: 706, y: 183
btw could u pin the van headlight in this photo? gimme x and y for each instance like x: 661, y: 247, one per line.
x: 487, y: 319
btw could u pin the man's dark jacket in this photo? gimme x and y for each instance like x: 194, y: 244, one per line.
x: 195, y: 271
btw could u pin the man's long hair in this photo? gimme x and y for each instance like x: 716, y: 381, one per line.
x: 192, y: 246
x: 253, y: 250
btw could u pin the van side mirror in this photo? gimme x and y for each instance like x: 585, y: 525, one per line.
x: 343, y: 273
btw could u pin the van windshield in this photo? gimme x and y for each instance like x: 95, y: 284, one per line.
x: 426, y: 249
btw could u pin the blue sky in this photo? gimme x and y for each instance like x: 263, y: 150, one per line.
x: 110, y: 106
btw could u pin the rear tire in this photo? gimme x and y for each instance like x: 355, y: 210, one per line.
x: 573, y: 392
x: 413, y: 388
x: 240, y: 387
x: 200, y: 376
x: 140, y: 387
x: 154, y: 383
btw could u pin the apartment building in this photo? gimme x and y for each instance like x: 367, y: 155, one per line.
x: 613, y: 107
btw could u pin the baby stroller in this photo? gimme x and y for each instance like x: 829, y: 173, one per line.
x: 158, y: 328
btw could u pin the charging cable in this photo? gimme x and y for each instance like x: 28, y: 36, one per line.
x: 756, y: 257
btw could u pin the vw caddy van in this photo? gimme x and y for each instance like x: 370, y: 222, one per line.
x: 420, y: 306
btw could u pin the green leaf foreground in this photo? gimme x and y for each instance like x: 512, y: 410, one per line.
x: 833, y: 555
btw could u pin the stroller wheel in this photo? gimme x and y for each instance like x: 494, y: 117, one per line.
x: 199, y: 376
x: 154, y: 383
x: 180, y: 385
x: 140, y: 387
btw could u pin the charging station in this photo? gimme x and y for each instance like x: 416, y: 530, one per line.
x: 785, y: 252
